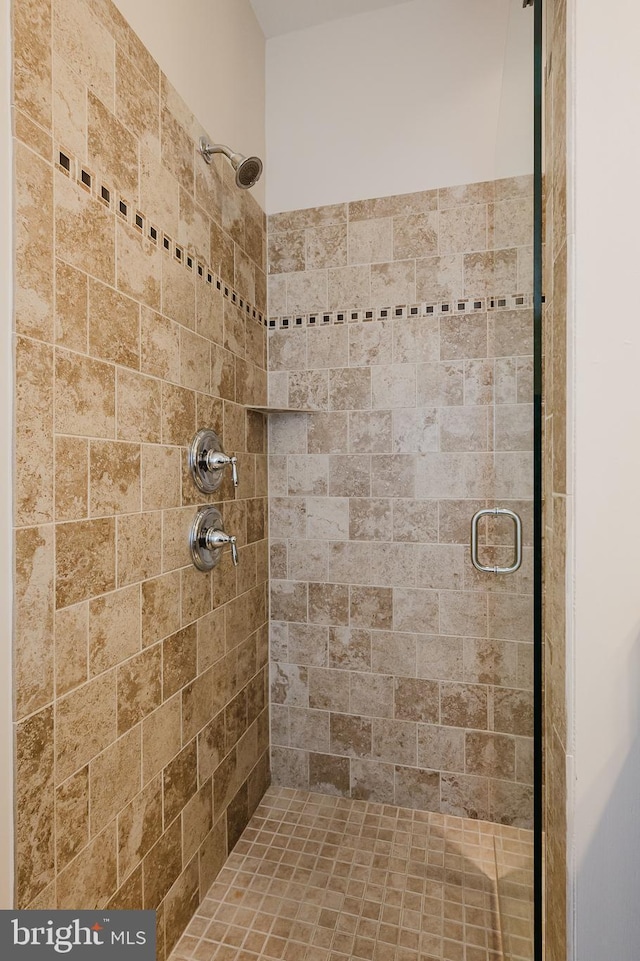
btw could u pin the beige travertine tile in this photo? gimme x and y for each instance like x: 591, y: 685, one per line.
x: 370, y: 344
x: 464, y: 796
x: 439, y: 278
x: 307, y: 291
x: 72, y: 308
x: 393, y: 283
x: 371, y: 241
x: 81, y: 40
x: 32, y: 60
x: 114, y: 779
x: 114, y: 328
x: 72, y: 647
x: 371, y: 607
x: 350, y: 476
x: 71, y: 478
x: 492, y: 755
x: 178, y: 415
x: 85, y: 560
x: 393, y: 386
x: 92, y: 877
x: 511, y: 223
x: 415, y: 235
x: 160, y: 477
x: 463, y: 337
x: 326, y: 246
x: 139, y: 827
x: 72, y: 817
x: 439, y: 657
x: 139, y: 266
x: 463, y: 229
x: 464, y: 428
x: 33, y: 302
x: 138, y: 407
x: 350, y: 389
x: 487, y: 273
x: 85, y: 231
x: 222, y: 253
x: 31, y: 135
x: 195, y: 361
x: 178, y: 292
x: 114, y: 478
x: 114, y: 629
x: 348, y: 286
x: 85, y: 724
x: 139, y: 539
x: 369, y: 519
x: 414, y: 520
x: 177, y: 150
x: 139, y: 687
x: 441, y: 748
x: 160, y: 607
x: 136, y: 102
x: 161, y: 737
x: 416, y: 340
x: 310, y: 217
x: 308, y: 389
x: 464, y: 194
x: 111, y: 148
x: 416, y: 610
x: 513, y: 712
x: 180, y: 656
x: 85, y: 396
x: 463, y: 705
x: 179, y: 781
x: 416, y: 431
x: 34, y: 805
x: 159, y: 193
x: 34, y: 414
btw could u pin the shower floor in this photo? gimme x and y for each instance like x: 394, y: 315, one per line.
x: 318, y: 878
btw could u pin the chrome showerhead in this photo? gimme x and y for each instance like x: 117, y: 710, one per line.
x: 248, y: 169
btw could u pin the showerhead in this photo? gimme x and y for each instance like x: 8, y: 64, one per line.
x: 248, y: 169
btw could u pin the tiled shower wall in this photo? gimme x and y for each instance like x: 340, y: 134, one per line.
x: 399, y: 673
x: 140, y: 683
x: 555, y: 482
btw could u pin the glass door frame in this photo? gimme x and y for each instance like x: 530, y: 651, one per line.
x: 538, y: 712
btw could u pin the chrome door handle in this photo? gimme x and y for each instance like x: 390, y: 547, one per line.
x: 496, y: 512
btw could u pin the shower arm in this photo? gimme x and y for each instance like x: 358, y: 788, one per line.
x: 208, y: 149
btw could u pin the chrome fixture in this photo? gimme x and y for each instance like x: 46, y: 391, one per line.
x: 207, y: 460
x: 207, y: 539
x: 248, y: 169
x: 496, y: 512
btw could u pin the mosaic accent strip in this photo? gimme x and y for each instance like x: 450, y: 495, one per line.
x: 467, y: 305
x: 121, y: 207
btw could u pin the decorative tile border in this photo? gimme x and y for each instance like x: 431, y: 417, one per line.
x: 120, y: 206
x: 463, y: 305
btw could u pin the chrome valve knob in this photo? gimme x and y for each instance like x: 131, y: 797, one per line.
x: 216, y: 461
x: 207, y: 461
x: 207, y: 539
x: 216, y: 540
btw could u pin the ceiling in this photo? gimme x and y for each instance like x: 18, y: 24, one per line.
x: 283, y: 16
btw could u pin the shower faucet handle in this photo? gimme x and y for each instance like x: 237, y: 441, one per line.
x: 217, y: 460
x: 207, y: 461
x: 217, y: 539
x: 208, y: 538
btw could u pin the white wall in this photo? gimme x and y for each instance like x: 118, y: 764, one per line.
x: 213, y: 52
x: 6, y: 447
x: 396, y: 100
x: 606, y: 398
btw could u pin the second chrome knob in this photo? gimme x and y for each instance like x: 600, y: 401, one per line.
x: 207, y: 539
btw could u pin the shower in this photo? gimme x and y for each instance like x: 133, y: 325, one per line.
x: 248, y: 169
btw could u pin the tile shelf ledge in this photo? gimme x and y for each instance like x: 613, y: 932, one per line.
x: 280, y: 410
